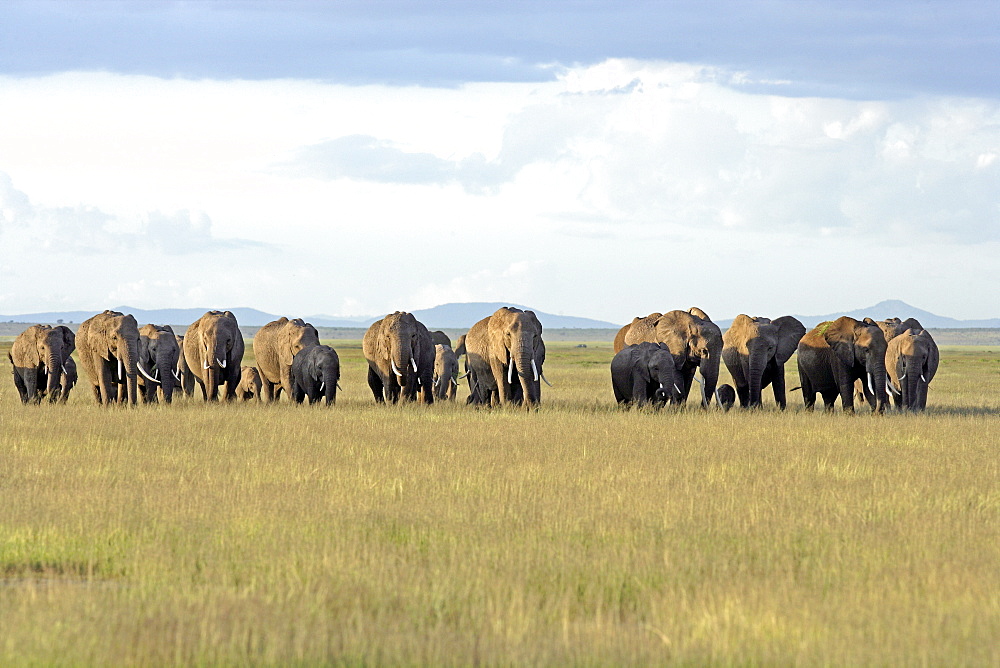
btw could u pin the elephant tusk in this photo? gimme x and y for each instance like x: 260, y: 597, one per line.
x: 146, y: 374
x: 177, y: 376
x: 717, y: 399
x: 534, y: 369
x: 205, y: 365
x: 414, y: 363
x: 890, y: 388
x: 679, y: 392
x: 922, y: 379
x: 64, y: 369
x: 121, y: 369
x: 435, y: 382
x: 222, y: 363
x: 395, y: 369
x: 464, y: 375
x: 542, y: 376
x: 871, y: 386
x: 322, y: 385
x: 455, y: 380
x: 510, y: 372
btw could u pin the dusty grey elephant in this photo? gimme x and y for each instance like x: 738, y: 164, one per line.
x: 835, y: 354
x: 445, y: 372
x: 157, y: 363
x: 644, y: 373
x: 184, y: 373
x: 315, y: 375
x: 108, y: 345
x: 911, y: 360
x: 274, y: 346
x: 213, y: 348
x: 400, y: 358
x: 39, y: 355
x: 506, y: 344
x: 250, y: 385
x: 755, y: 351
x: 694, y: 341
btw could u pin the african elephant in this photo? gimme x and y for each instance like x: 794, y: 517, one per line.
x: 250, y: 384
x: 184, y: 372
x: 157, y: 363
x: 400, y: 358
x: 694, y: 341
x: 835, y: 354
x: 39, y: 355
x: 891, y: 328
x: 911, y: 360
x: 506, y: 343
x: 315, y: 374
x: 213, y: 348
x: 460, y: 346
x: 440, y: 338
x: 109, y: 350
x: 445, y: 372
x: 726, y: 396
x: 755, y: 351
x: 644, y: 373
x: 274, y: 346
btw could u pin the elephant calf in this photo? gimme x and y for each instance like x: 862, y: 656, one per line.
x: 249, y: 388
x: 445, y: 372
x: 315, y: 374
x: 644, y: 373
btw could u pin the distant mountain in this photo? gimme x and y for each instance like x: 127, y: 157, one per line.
x: 888, y: 309
x: 446, y: 316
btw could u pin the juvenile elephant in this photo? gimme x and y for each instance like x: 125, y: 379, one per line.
x: 157, y: 363
x: 694, y: 340
x: 39, y: 355
x: 911, y: 360
x: 835, y: 354
x: 108, y: 344
x: 213, y: 348
x: 400, y: 358
x: 315, y: 374
x: 249, y: 388
x: 184, y: 373
x: 726, y: 396
x: 755, y: 351
x: 274, y: 346
x: 506, y: 344
x: 644, y: 373
x: 445, y: 372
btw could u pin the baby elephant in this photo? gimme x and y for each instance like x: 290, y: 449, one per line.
x: 445, y: 372
x: 726, y: 396
x: 315, y: 372
x: 644, y: 373
x: 68, y: 380
x: 250, y: 384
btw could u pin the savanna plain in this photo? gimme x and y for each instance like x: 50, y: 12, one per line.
x: 577, y: 534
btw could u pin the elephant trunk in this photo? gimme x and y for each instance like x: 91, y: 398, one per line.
x: 877, y: 377
x: 330, y: 379
x: 527, y: 371
x: 757, y: 364
x: 911, y: 387
x: 709, y: 368
x: 164, y: 373
x: 128, y: 356
x: 400, y: 357
x: 54, y: 370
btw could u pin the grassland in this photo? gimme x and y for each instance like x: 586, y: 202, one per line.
x: 577, y: 534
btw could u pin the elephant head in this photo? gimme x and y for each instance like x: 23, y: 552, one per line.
x: 213, y: 347
x: 755, y: 351
x: 911, y: 361
x: 68, y: 380
x: 860, y: 348
x: 109, y: 351
x: 696, y: 343
x: 516, y: 348
x: 157, y: 361
x: 39, y: 355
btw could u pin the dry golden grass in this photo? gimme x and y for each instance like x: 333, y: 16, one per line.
x: 577, y: 534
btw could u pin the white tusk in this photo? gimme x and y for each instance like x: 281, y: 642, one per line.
x: 177, y: 376
x: 542, y: 376
x: 64, y: 369
x: 871, y: 387
x: 717, y: 399
x: 902, y: 377
x: 464, y: 375
x: 510, y: 372
x: 922, y: 379
x: 395, y: 369
x: 455, y: 380
x: 534, y: 369
x: 679, y: 392
x: 222, y: 363
x: 144, y: 373
x: 436, y: 381
x: 156, y: 373
x: 121, y: 368
x: 414, y: 363
x: 661, y: 386
x: 322, y: 384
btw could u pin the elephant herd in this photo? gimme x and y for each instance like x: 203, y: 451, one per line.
x: 657, y: 360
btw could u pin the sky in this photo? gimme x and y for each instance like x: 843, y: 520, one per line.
x: 589, y: 158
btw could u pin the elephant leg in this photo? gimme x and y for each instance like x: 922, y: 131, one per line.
x: 808, y: 392
x: 376, y: 385
x: 743, y: 392
x: 778, y: 387
x: 22, y: 389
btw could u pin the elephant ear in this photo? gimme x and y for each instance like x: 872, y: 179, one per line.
x: 790, y: 332
x: 69, y: 339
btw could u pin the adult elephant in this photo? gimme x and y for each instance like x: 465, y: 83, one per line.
x: 694, y: 341
x: 440, y: 338
x: 643, y: 373
x: 157, y: 363
x: 274, y: 346
x: 445, y: 372
x: 250, y: 385
x: 400, y: 358
x: 755, y: 351
x: 506, y: 344
x: 108, y: 344
x: 911, y: 360
x: 184, y: 373
x: 315, y: 375
x: 835, y: 354
x: 213, y: 348
x: 39, y: 355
